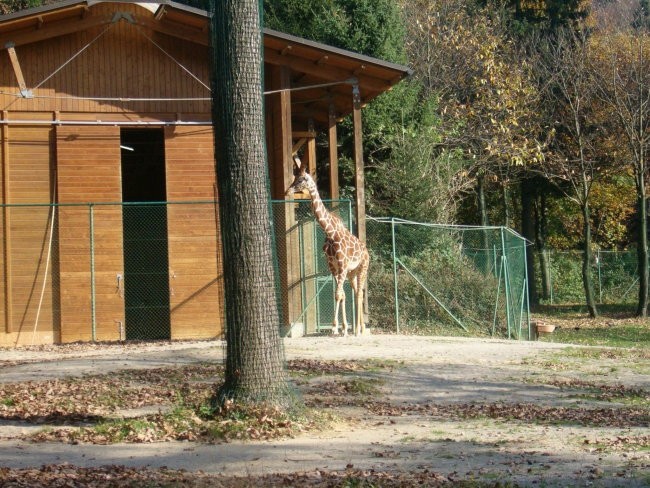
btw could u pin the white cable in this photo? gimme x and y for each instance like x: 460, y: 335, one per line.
x: 74, y: 56
x: 47, y: 262
x: 174, y: 59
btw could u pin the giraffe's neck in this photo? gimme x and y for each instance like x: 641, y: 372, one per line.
x: 327, y: 221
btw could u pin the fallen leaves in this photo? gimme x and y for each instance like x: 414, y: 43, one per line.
x: 69, y: 476
x: 620, y: 443
x: 525, y: 412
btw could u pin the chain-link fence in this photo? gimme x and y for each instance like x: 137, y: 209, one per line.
x: 111, y: 271
x: 132, y: 271
x: 615, y: 277
x: 449, y: 280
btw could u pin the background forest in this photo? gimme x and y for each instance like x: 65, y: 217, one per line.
x: 529, y: 114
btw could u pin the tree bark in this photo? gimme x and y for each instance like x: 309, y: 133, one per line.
x: 642, y: 250
x: 487, y: 261
x: 540, y: 244
x: 480, y: 197
x: 506, y: 205
x: 587, y: 258
x: 528, y: 231
x: 255, y: 363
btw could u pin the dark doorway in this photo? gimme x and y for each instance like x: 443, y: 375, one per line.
x: 146, y: 259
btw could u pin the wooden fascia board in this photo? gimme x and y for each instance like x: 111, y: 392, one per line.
x: 329, y: 73
x: 49, y: 31
x: 173, y: 29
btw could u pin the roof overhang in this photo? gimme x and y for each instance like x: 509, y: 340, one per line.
x: 328, y: 70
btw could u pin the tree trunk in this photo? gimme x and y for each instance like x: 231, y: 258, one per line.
x: 587, y: 279
x: 528, y: 231
x: 506, y: 208
x: 255, y: 364
x: 480, y: 197
x: 487, y: 261
x: 540, y: 244
x: 642, y: 250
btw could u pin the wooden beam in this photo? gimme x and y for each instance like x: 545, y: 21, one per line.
x: 332, y: 141
x: 311, y: 150
x: 306, y: 134
x: 359, y: 175
x: 298, y: 145
x: 6, y: 221
x: 17, y: 70
x: 54, y: 29
x: 173, y: 29
x: 330, y: 73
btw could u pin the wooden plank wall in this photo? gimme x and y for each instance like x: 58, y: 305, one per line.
x: 196, y: 279
x: 30, y: 303
x: 89, y: 170
x: 121, y: 63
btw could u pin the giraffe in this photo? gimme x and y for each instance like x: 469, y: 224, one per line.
x: 347, y: 256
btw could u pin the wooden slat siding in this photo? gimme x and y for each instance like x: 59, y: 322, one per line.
x: 83, y: 153
x: 122, y: 63
x: 28, y: 173
x: 196, y: 280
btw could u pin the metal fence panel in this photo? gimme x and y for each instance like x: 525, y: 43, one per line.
x: 450, y: 280
x: 615, y: 276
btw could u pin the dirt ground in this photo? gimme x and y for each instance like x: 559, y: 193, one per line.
x: 524, y: 413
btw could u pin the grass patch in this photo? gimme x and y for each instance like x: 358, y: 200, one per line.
x: 628, y: 336
x: 615, y: 327
x: 7, y: 402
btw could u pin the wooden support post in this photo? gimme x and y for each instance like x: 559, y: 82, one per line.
x: 6, y: 227
x: 282, y: 154
x: 311, y: 151
x: 333, y: 155
x: 359, y: 176
x: 359, y: 181
x: 17, y: 70
x: 286, y: 231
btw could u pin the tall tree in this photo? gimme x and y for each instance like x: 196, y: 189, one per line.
x: 574, y: 163
x: 625, y: 86
x: 255, y: 369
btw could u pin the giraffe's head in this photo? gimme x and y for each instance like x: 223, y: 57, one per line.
x: 301, y: 178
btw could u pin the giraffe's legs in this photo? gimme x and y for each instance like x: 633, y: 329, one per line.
x: 358, y: 280
x: 340, y: 304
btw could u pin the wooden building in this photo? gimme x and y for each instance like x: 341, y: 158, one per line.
x: 87, y: 86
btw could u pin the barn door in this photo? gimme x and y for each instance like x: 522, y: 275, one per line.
x: 146, y: 257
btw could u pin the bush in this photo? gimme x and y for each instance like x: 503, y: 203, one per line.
x: 466, y: 292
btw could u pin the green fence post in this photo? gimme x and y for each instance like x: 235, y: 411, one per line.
x: 496, y: 305
x: 91, y: 217
x: 506, y: 279
x: 392, y: 228
x: 550, y: 272
x: 525, y: 294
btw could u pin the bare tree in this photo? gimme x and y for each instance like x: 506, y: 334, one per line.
x: 255, y: 369
x: 624, y: 85
x: 573, y: 162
